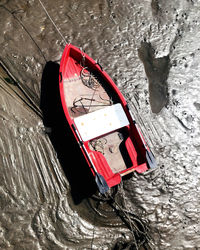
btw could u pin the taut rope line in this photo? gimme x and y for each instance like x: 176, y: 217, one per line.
x: 52, y: 21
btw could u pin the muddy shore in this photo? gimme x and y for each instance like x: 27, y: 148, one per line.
x: 151, y: 51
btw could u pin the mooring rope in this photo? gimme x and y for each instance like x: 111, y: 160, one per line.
x: 138, y: 229
x: 52, y: 21
x: 13, y: 13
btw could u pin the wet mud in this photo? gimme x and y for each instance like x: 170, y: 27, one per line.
x: 157, y: 70
x: 47, y: 199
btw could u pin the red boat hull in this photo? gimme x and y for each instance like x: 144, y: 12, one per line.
x: 73, y: 63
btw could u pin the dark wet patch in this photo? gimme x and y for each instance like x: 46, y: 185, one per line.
x: 155, y: 7
x: 197, y: 105
x: 157, y: 71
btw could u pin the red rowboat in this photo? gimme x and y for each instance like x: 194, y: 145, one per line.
x: 100, y: 120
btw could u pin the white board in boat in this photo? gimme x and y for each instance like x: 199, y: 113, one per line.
x: 101, y: 122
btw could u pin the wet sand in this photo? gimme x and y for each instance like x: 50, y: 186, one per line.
x: 151, y: 51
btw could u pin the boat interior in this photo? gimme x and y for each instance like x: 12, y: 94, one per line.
x: 85, y: 93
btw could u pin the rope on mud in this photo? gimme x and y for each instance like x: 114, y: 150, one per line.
x: 52, y: 21
x: 133, y: 222
x: 93, y: 231
x: 138, y: 229
x: 26, y: 30
x: 15, y: 86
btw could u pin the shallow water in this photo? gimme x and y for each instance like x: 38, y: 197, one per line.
x: 151, y: 50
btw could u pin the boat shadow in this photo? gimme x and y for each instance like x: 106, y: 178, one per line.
x: 73, y: 163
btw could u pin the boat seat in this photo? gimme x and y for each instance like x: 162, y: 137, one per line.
x: 131, y: 151
x: 100, y: 122
x: 104, y: 169
x: 133, y: 155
